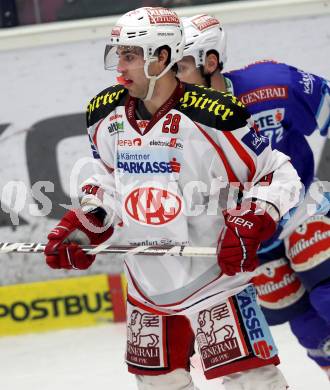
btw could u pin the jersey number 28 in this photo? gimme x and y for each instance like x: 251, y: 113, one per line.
x: 171, y: 124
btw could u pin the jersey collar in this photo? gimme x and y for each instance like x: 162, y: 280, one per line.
x: 131, y: 104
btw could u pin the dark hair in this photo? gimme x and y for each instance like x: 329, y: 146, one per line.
x: 174, y: 68
x: 220, y: 64
x: 207, y: 76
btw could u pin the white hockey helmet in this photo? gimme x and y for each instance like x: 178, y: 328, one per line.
x: 148, y: 28
x: 202, y: 34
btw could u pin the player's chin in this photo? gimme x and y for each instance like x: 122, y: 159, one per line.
x: 135, y: 92
x: 130, y: 87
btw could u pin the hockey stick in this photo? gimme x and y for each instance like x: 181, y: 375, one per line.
x: 150, y: 250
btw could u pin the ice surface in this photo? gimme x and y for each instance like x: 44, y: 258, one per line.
x: 92, y: 358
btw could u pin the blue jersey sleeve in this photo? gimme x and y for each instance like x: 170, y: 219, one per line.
x: 311, y: 97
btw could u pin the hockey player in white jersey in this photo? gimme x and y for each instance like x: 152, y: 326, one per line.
x: 178, y: 164
x: 291, y: 107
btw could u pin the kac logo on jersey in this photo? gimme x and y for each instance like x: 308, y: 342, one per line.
x: 256, y: 142
x: 152, y: 206
x: 142, y: 124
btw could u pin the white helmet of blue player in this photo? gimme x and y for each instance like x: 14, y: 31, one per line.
x: 202, y: 34
x: 147, y: 28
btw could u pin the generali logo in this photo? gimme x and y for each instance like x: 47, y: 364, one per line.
x: 217, y: 337
x: 264, y: 94
x: 153, y: 206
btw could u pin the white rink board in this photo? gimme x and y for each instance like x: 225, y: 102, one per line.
x: 43, y: 83
x: 94, y: 28
x: 94, y: 358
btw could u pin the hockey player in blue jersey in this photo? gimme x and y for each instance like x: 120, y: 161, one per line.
x: 292, y: 108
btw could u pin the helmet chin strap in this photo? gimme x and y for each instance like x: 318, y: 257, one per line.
x: 151, y: 87
x: 153, y: 79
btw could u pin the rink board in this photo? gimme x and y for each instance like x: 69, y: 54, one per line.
x: 43, y: 130
x: 59, y: 304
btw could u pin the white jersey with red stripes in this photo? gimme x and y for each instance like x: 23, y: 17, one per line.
x: 165, y: 179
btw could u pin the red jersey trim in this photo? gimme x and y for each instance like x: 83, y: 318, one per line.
x: 239, y: 327
x: 266, y: 180
x: 106, y: 166
x: 148, y: 309
x: 242, y: 154
x: 96, y: 130
x: 230, y: 173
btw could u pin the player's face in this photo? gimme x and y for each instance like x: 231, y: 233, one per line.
x: 131, y: 70
x: 188, y: 73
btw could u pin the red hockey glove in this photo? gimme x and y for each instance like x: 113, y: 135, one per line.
x: 63, y: 250
x: 240, y: 239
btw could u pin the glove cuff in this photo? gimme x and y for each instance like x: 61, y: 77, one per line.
x: 99, y: 213
x: 268, y: 208
x: 268, y: 227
